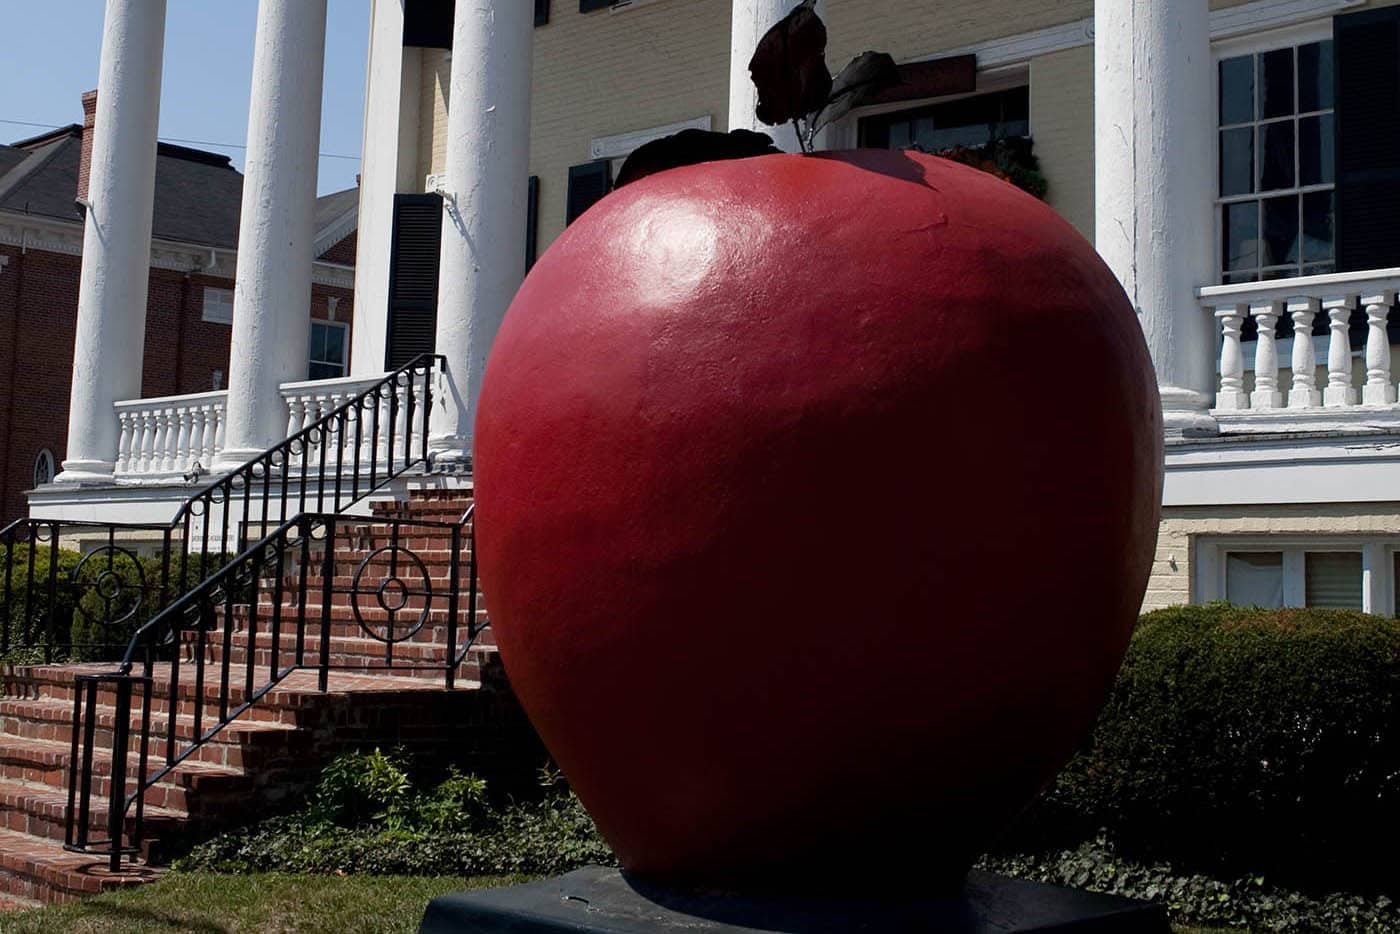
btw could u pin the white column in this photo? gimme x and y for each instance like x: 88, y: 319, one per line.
x: 750, y: 20
x: 388, y: 165
x: 483, y: 228
x: 1155, y: 189
x: 276, y: 233
x: 1379, y: 390
x: 111, y: 330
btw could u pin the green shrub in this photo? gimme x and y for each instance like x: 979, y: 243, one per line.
x: 368, y: 815
x: 1249, y: 902
x: 1246, y: 741
x: 39, y: 612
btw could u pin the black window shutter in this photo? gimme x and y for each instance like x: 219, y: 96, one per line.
x: 588, y: 6
x: 532, y: 222
x: 588, y: 183
x: 541, y: 12
x: 1367, y: 56
x: 427, y: 24
x: 413, y: 278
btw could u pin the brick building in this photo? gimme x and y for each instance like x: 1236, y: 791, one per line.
x: 43, y: 187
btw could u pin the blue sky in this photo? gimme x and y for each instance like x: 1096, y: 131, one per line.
x: 50, y: 57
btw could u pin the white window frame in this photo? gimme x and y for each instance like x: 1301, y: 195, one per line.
x: 216, y: 314
x: 1251, y: 44
x: 1377, y: 565
x: 344, y: 328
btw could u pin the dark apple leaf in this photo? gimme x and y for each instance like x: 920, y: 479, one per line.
x: 868, y: 75
x: 691, y: 147
x: 789, y: 67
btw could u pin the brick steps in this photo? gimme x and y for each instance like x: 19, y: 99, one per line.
x: 36, y: 869
x: 272, y: 750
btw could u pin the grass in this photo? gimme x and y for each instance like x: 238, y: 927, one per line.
x: 205, y: 903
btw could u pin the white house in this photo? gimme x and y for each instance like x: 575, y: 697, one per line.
x: 1236, y: 163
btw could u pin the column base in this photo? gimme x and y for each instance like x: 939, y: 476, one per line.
x: 231, y: 459
x: 1186, y: 414
x: 86, y: 471
x: 450, y: 454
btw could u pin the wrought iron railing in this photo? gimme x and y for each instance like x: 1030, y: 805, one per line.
x: 327, y: 466
x: 280, y: 604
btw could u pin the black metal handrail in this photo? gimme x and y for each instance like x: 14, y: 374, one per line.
x: 273, y: 582
x: 344, y: 456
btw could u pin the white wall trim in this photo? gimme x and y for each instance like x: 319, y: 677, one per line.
x: 1279, y: 471
x: 337, y: 230
x: 622, y: 144
x: 49, y: 235
x: 1224, y: 24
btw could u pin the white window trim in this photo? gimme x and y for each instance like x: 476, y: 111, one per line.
x: 344, y: 328
x: 1377, y: 564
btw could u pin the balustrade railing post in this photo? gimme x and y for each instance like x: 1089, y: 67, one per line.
x: 124, y: 442
x: 1231, y: 395
x: 1339, y: 391
x: 1303, y: 394
x: 1266, y: 393
x: 198, y: 454
x: 1379, y: 389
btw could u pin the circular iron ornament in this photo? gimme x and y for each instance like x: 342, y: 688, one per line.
x: 295, y: 447
x: 314, y: 435
x: 392, y: 594
x: 196, y: 507
x: 115, y: 576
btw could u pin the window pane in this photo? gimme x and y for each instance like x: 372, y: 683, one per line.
x: 1334, y: 580
x: 1237, y: 161
x: 1242, y: 236
x: 1276, y: 156
x: 1318, y: 213
x: 899, y: 135
x: 1254, y: 578
x: 1281, y: 231
x: 1315, y: 76
x: 318, y: 342
x: 1276, y: 83
x: 1316, y: 151
x: 1237, y: 90
x: 335, y: 346
x: 324, y: 371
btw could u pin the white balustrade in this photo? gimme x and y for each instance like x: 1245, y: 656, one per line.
x: 166, y: 438
x: 1368, y: 390
x: 308, y: 402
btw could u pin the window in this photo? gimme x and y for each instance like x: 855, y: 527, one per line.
x: 218, y: 305
x: 1277, y: 163
x: 1341, y: 572
x: 1254, y: 578
x: 968, y: 121
x: 43, y: 468
x: 329, y: 340
x: 1333, y: 580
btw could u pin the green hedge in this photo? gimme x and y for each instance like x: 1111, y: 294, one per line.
x: 1245, y: 741
x: 68, y: 615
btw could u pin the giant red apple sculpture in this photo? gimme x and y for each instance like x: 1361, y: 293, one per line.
x: 816, y: 498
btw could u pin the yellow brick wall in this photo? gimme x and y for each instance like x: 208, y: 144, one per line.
x: 603, y: 73
x: 432, y: 113
x: 1062, y: 125
x: 1171, y: 581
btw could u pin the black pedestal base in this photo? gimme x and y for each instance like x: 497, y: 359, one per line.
x: 602, y: 900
